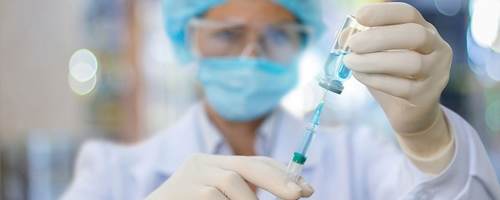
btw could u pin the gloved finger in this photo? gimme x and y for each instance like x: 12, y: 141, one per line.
x: 389, y: 13
x: 394, y: 86
x: 308, y: 189
x: 401, y: 63
x: 212, y: 193
x: 231, y: 184
x: 263, y: 173
x: 410, y: 36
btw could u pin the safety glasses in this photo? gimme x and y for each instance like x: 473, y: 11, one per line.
x: 278, y: 42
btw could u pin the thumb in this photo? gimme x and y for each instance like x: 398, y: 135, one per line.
x: 267, y: 174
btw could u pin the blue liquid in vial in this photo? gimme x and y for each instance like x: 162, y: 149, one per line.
x: 335, y: 72
x: 335, y: 67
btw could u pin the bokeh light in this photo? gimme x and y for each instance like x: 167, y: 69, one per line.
x: 492, y: 116
x: 302, y: 98
x: 485, y: 21
x: 83, y: 69
x: 448, y: 7
x: 309, y: 66
x: 493, y: 67
x: 82, y: 88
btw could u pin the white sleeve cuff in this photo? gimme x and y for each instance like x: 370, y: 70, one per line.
x: 469, y: 165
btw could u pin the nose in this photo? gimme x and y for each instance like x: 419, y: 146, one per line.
x: 251, y: 50
x: 253, y: 47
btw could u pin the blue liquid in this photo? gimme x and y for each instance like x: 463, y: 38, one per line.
x: 335, y: 72
x: 311, y: 131
x: 335, y: 67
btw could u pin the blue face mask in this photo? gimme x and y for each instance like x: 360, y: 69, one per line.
x: 243, y: 89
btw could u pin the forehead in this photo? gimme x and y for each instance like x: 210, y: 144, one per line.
x: 250, y: 11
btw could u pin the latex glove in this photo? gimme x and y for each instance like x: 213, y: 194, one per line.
x: 211, y: 177
x: 406, y: 65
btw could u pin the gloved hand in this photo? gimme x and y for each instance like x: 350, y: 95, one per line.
x: 211, y: 177
x: 405, y: 64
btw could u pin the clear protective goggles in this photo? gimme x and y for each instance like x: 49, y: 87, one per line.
x: 281, y: 43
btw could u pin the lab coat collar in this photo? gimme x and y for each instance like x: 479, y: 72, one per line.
x: 179, y: 143
x: 213, y: 140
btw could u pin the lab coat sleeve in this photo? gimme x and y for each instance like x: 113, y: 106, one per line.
x: 469, y: 175
x: 89, y: 181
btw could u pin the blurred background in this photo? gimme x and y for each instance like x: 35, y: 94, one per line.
x: 80, y: 69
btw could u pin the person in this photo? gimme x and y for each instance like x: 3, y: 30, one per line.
x: 235, y: 142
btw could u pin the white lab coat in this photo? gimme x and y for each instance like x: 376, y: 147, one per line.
x: 343, y: 163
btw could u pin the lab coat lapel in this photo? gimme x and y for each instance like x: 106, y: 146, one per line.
x: 170, y: 150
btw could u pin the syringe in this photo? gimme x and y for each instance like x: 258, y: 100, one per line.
x: 332, y: 79
x: 296, y: 165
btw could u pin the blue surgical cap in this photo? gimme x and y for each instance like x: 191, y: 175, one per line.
x: 177, y: 14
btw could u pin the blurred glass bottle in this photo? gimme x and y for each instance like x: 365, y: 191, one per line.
x: 334, y: 71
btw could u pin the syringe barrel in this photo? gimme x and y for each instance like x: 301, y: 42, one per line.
x: 294, y: 170
x: 306, y: 141
x: 311, y: 130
